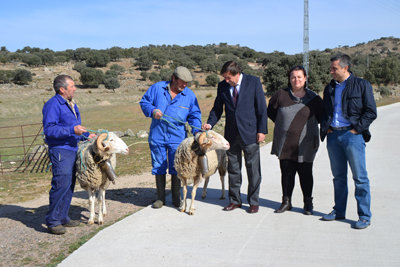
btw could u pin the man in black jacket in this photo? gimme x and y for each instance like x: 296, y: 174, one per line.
x: 245, y: 127
x: 349, y: 109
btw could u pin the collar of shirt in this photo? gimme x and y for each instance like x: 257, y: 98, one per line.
x: 342, y: 83
x: 237, y: 85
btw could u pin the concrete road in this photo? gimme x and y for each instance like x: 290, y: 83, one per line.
x: 213, y: 237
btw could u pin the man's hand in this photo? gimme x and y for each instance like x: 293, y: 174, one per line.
x: 79, y: 129
x: 157, y: 114
x: 353, y: 131
x: 206, y: 126
x: 260, y: 137
x: 92, y: 135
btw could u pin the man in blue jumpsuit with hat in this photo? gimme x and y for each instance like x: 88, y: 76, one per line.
x: 170, y: 104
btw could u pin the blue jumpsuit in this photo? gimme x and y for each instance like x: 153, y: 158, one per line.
x: 58, y: 124
x: 165, y: 137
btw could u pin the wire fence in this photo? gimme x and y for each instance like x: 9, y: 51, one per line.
x: 22, y: 149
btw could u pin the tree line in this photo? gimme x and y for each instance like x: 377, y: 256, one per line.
x: 272, y: 68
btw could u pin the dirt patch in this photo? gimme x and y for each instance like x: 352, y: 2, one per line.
x: 25, y: 241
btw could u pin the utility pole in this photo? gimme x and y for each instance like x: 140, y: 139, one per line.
x: 305, y: 37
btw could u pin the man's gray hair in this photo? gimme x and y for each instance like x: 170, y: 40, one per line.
x: 344, y: 60
x: 61, y: 81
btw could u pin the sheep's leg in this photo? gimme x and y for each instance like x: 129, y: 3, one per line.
x: 184, y: 182
x: 204, y: 194
x: 92, y: 198
x: 103, y: 202
x: 194, y: 189
x: 222, y: 177
x: 100, y: 199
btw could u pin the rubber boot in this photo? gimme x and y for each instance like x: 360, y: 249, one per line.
x: 160, y: 183
x: 176, y: 190
x: 286, y: 205
x: 308, y: 206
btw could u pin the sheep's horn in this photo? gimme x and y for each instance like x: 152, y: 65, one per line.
x: 204, y: 142
x: 100, y: 140
x: 201, y: 138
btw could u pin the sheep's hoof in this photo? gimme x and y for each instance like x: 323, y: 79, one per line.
x: 90, y: 222
x: 203, y: 197
x: 191, y: 212
x: 223, y: 197
x: 182, y: 210
x: 100, y: 222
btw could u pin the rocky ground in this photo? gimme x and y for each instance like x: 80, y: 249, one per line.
x: 25, y: 241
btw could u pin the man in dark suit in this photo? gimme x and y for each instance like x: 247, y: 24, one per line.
x: 245, y: 128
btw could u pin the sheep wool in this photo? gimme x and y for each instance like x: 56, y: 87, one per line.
x: 88, y: 172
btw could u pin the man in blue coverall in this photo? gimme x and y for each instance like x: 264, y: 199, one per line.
x: 63, y: 130
x: 170, y: 104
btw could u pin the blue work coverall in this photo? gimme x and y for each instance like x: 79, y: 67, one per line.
x: 58, y: 124
x: 167, y: 133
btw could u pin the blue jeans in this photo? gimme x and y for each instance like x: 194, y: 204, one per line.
x: 345, y: 147
x: 62, y: 185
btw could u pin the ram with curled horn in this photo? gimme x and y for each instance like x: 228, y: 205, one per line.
x: 95, y: 165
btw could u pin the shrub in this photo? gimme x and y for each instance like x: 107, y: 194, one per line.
x: 154, y: 77
x: 212, y: 79
x: 111, y: 74
x: 111, y: 83
x: 79, y: 66
x: 117, y: 68
x: 165, y: 74
x: 91, y: 77
x: 6, y: 76
x: 144, y: 75
x: 22, y: 76
x: 32, y: 60
x: 97, y: 59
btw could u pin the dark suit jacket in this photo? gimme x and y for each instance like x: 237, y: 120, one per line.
x: 249, y: 117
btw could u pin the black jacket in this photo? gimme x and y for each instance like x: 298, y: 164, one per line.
x: 248, y: 117
x: 358, y: 106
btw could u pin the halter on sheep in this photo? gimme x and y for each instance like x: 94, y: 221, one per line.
x: 95, y: 166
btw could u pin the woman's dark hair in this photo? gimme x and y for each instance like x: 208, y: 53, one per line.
x: 298, y: 67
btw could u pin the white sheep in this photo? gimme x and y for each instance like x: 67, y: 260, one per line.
x: 95, y: 166
x: 187, y: 162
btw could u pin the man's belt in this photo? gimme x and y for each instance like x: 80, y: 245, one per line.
x: 345, y: 128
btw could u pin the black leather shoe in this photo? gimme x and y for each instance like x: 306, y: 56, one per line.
x: 232, y: 206
x: 253, y: 209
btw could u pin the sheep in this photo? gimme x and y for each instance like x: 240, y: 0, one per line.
x: 95, y: 166
x: 187, y: 162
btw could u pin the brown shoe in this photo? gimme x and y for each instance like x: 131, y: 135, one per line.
x: 253, y: 209
x: 57, y: 230
x: 232, y: 206
x: 72, y: 223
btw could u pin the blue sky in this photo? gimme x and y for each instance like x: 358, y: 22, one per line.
x: 263, y: 25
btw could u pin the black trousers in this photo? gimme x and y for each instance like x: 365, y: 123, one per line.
x: 289, y: 169
x: 252, y: 162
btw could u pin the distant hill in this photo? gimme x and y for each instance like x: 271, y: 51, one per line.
x: 384, y: 46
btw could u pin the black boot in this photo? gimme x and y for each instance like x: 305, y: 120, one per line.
x: 286, y: 205
x: 160, y: 183
x: 176, y: 190
x: 308, y: 206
